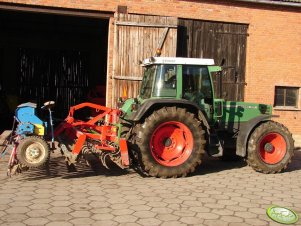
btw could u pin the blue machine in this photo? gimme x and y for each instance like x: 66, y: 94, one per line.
x: 29, y: 123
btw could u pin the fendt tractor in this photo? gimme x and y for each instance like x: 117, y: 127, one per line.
x: 166, y: 130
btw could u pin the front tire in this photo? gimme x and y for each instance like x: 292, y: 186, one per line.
x: 33, y: 152
x: 270, y: 148
x: 170, y: 143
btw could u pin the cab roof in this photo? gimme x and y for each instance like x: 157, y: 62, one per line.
x: 177, y: 60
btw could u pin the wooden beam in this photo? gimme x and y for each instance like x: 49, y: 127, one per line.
x: 132, y: 78
x: 56, y: 11
x: 141, y: 24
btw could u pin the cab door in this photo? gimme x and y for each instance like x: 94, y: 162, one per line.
x: 197, y: 87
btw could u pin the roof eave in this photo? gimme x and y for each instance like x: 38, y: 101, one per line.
x: 279, y: 3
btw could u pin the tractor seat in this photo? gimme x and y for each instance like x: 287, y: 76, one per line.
x: 48, y: 105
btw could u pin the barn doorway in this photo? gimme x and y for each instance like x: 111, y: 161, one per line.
x: 51, y: 57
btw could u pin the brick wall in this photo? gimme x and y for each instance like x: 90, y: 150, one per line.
x: 274, y: 42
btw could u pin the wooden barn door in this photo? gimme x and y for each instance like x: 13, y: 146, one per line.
x: 222, y: 42
x: 137, y: 37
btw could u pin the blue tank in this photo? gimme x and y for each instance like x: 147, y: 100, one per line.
x: 28, y: 120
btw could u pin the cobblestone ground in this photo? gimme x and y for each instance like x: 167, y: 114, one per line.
x: 219, y: 193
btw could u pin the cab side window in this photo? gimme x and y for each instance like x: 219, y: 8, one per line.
x: 196, y: 83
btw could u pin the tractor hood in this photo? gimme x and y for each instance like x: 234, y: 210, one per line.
x: 244, y: 111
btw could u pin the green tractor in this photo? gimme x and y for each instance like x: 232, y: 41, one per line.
x: 176, y: 119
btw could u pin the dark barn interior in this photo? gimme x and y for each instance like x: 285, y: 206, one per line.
x: 51, y: 57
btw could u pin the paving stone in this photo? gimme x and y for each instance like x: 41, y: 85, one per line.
x: 245, y: 215
x: 162, y: 210
x: 193, y: 203
x: 172, y: 201
x: 80, y: 213
x: 257, y: 210
x: 184, y: 213
x: 151, y: 199
x: 40, y: 201
x: 18, y: 209
x: 227, y: 202
x: 249, y: 205
x: 102, y: 216
x: 82, y: 221
x: 36, y: 221
x: 4, y: 207
x: 156, y: 204
x: 105, y: 223
x: 223, y: 212
x: 125, y: 219
x: 215, y: 205
x: 14, y: 217
x: 131, y: 224
x: 20, y: 203
x: 97, y: 204
x: 173, y: 223
x: 122, y: 212
x: 119, y: 206
x: 62, y: 203
x: 199, y: 209
x: 140, y: 207
x: 144, y: 214
x: 136, y: 202
x: 59, y: 217
x: 240, y: 199
x: 255, y: 222
x: 215, y: 223
x: 13, y: 224
x: 192, y: 220
x: 237, y: 224
x: 149, y: 221
x: 60, y: 209
x: 38, y: 213
x: 209, y: 216
x: 167, y: 217
x: 236, y: 208
x: 231, y: 219
x: 60, y: 223
x: 207, y: 200
x: 43, y: 196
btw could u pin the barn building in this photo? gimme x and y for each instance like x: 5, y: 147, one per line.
x: 74, y: 51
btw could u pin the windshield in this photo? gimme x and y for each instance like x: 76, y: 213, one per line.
x: 159, y: 81
x: 166, y: 81
x: 147, y: 82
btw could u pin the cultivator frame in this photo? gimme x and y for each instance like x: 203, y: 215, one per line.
x: 103, y: 132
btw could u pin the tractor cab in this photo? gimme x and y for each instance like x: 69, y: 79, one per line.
x: 181, y: 79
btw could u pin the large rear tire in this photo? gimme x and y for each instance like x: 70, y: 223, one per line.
x: 170, y: 143
x: 33, y: 152
x: 270, y: 148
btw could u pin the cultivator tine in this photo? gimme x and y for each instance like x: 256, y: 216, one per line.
x: 102, y: 158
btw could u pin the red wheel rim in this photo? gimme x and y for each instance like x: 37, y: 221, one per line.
x: 171, y: 143
x: 272, y: 148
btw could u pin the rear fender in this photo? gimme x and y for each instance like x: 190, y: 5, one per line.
x: 245, y: 132
x: 153, y: 104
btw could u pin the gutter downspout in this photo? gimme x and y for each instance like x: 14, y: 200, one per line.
x: 278, y: 3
